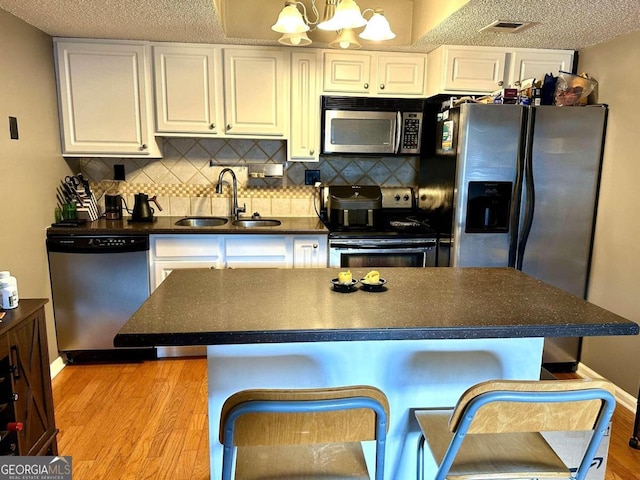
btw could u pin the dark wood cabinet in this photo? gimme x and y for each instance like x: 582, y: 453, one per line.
x: 28, y: 420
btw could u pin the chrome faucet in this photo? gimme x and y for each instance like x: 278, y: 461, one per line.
x: 236, y: 209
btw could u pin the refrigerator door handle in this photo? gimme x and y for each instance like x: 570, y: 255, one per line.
x: 516, y: 196
x: 530, y: 194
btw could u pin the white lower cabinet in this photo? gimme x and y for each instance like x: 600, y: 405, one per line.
x: 178, y: 251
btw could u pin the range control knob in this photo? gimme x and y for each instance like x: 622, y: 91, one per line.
x: 397, y: 197
x: 406, y: 197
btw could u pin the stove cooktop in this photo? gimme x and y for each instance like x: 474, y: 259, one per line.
x: 391, y: 224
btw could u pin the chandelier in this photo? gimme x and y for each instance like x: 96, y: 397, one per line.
x: 341, y: 16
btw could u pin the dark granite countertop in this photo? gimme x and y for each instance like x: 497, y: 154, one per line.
x: 208, y: 307
x: 290, y: 225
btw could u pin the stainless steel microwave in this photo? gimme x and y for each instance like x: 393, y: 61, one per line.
x: 363, y: 125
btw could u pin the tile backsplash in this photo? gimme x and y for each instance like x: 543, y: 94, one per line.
x: 184, y: 179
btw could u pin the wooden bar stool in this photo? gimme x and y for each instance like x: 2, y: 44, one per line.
x: 305, y: 433
x: 494, y: 430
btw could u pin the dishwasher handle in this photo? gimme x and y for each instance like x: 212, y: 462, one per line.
x: 98, y: 244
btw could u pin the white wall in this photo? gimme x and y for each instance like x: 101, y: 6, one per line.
x: 31, y: 166
x: 615, y: 275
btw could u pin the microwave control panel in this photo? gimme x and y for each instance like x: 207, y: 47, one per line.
x: 411, y: 132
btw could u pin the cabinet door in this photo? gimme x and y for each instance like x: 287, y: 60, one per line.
x: 256, y: 251
x: 256, y: 91
x: 534, y: 64
x: 310, y: 252
x: 32, y: 385
x: 473, y: 70
x: 162, y: 269
x: 347, y: 72
x: 304, y: 138
x: 103, y: 98
x: 401, y: 74
x: 186, y: 89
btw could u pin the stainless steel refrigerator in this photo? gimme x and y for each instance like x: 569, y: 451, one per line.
x: 525, y: 194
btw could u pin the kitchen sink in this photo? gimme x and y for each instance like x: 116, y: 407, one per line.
x: 252, y: 222
x: 201, y: 222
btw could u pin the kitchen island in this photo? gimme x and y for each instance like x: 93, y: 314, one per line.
x: 423, y: 340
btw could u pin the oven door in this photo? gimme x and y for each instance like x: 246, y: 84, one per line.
x: 349, y: 255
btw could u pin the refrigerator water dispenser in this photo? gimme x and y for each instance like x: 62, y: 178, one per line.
x: 488, y: 207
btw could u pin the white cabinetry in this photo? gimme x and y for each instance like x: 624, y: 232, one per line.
x: 304, y: 135
x: 205, y: 90
x: 256, y: 91
x: 463, y: 69
x: 310, y: 251
x: 104, y: 100
x: 527, y: 63
x: 188, y: 89
x: 383, y: 74
x: 173, y: 251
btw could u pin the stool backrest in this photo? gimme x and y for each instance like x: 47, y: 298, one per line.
x: 281, y: 426
x: 542, y: 406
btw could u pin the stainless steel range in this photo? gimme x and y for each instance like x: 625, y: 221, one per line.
x: 372, y: 226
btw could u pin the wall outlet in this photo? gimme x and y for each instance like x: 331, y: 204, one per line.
x: 311, y: 177
x: 118, y: 172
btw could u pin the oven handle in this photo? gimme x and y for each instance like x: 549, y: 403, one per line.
x: 399, y: 246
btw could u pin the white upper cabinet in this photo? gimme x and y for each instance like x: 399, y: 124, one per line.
x: 347, y: 72
x: 187, y: 89
x: 256, y: 91
x: 465, y: 69
x: 528, y: 63
x: 105, y: 98
x: 401, y: 74
x: 373, y: 73
x: 304, y: 134
x: 479, y: 70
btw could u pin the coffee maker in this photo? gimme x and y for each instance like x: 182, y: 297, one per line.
x: 113, y: 206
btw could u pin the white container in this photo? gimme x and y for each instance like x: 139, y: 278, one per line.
x: 9, y: 290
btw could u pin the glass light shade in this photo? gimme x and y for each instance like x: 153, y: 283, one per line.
x: 346, y: 39
x: 290, y: 20
x: 348, y: 15
x: 378, y: 28
x: 295, y: 39
x: 327, y: 22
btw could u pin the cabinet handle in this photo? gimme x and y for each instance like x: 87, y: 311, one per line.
x: 382, y: 86
x: 312, y: 151
x: 212, y: 126
x: 517, y: 83
x: 315, y: 245
x: 143, y: 146
x: 15, y: 359
x: 229, y: 126
x: 500, y: 83
x: 366, y: 86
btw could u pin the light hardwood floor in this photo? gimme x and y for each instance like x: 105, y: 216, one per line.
x: 149, y: 421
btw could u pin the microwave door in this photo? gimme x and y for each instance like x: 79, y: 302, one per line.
x: 364, y: 132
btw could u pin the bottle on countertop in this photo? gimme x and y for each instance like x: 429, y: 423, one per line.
x: 9, y: 289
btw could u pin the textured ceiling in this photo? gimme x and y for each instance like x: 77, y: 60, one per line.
x: 559, y: 24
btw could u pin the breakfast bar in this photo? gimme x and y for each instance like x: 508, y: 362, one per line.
x: 423, y: 337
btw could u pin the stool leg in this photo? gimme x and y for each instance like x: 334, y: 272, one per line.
x: 420, y: 459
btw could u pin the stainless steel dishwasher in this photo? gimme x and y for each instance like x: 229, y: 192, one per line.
x: 97, y: 283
